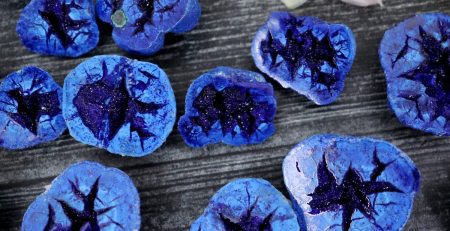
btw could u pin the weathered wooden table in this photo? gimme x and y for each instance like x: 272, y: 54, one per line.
x: 176, y: 182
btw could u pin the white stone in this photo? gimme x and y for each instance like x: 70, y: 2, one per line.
x: 292, y: 4
x: 364, y: 2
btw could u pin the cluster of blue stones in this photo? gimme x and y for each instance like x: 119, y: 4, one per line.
x: 68, y: 27
x: 128, y: 108
x: 86, y: 196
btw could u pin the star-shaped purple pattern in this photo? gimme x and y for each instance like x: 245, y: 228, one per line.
x: 415, y: 56
x: 349, y: 183
x: 86, y: 197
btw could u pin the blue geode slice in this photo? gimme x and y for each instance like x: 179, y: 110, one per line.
x: 122, y: 105
x: 86, y: 196
x: 30, y: 109
x: 415, y: 55
x: 228, y: 105
x: 247, y: 205
x: 59, y: 27
x: 306, y: 54
x: 350, y: 183
x: 139, y: 26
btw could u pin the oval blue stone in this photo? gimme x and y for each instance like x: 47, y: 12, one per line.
x: 124, y: 106
x: 350, y: 183
x: 245, y: 205
x: 30, y: 109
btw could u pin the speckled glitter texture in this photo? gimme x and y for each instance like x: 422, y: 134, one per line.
x: 350, y: 183
x: 415, y: 55
x: 59, y: 27
x: 86, y: 196
x: 30, y: 109
x: 139, y: 26
x: 305, y: 54
x: 247, y: 205
x: 125, y: 106
x: 228, y: 105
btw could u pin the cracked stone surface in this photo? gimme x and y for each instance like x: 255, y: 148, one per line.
x: 305, y: 54
x: 417, y: 69
x: 30, y: 109
x: 139, y: 26
x: 247, y: 205
x: 86, y: 196
x: 59, y: 27
x: 228, y: 105
x: 133, y: 109
x: 350, y: 183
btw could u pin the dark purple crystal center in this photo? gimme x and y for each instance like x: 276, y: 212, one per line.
x: 433, y: 72
x: 105, y: 106
x: 232, y: 106
x: 352, y: 194
x: 302, y: 49
x: 31, y: 106
x: 60, y: 24
x: 85, y: 220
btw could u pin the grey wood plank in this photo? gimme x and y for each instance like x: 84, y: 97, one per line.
x: 176, y: 182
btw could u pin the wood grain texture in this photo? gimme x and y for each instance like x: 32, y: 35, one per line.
x: 176, y: 182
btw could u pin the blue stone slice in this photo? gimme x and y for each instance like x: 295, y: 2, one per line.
x: 305, y: 54
x: 86, y: 196
x: 415, y: 55
x: 350, y: 183
x: 59, y: 27
x: 247, y: 205
x: 124, y: 106
x: 139, y: 26
x: 228, y: 105
x: 30, y: 109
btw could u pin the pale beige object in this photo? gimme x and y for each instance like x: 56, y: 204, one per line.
x: 364, y: 2
x: 292, y: 4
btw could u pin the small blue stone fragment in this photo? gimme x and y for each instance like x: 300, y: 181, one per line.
x: 415, y: 55
x: 30, y: 109
x: 139, y: 26
x: 86, y: 196
x: 124, y: 106
x: 59, y: 27
x: 305, y: 54
x: 228, y: 105
x: 247, y: 205
x: 350, y: 183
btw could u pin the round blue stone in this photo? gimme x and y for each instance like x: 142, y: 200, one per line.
x: 415, y: 55
x: 139, y: 26
x: 59, y: 27
x: 30, y: 109
x: 305, y: 54
x: 86, y: 196
x: 124, y: 106
x: 246, y: 205
x: 228, y: 105
x: 350, y: 183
